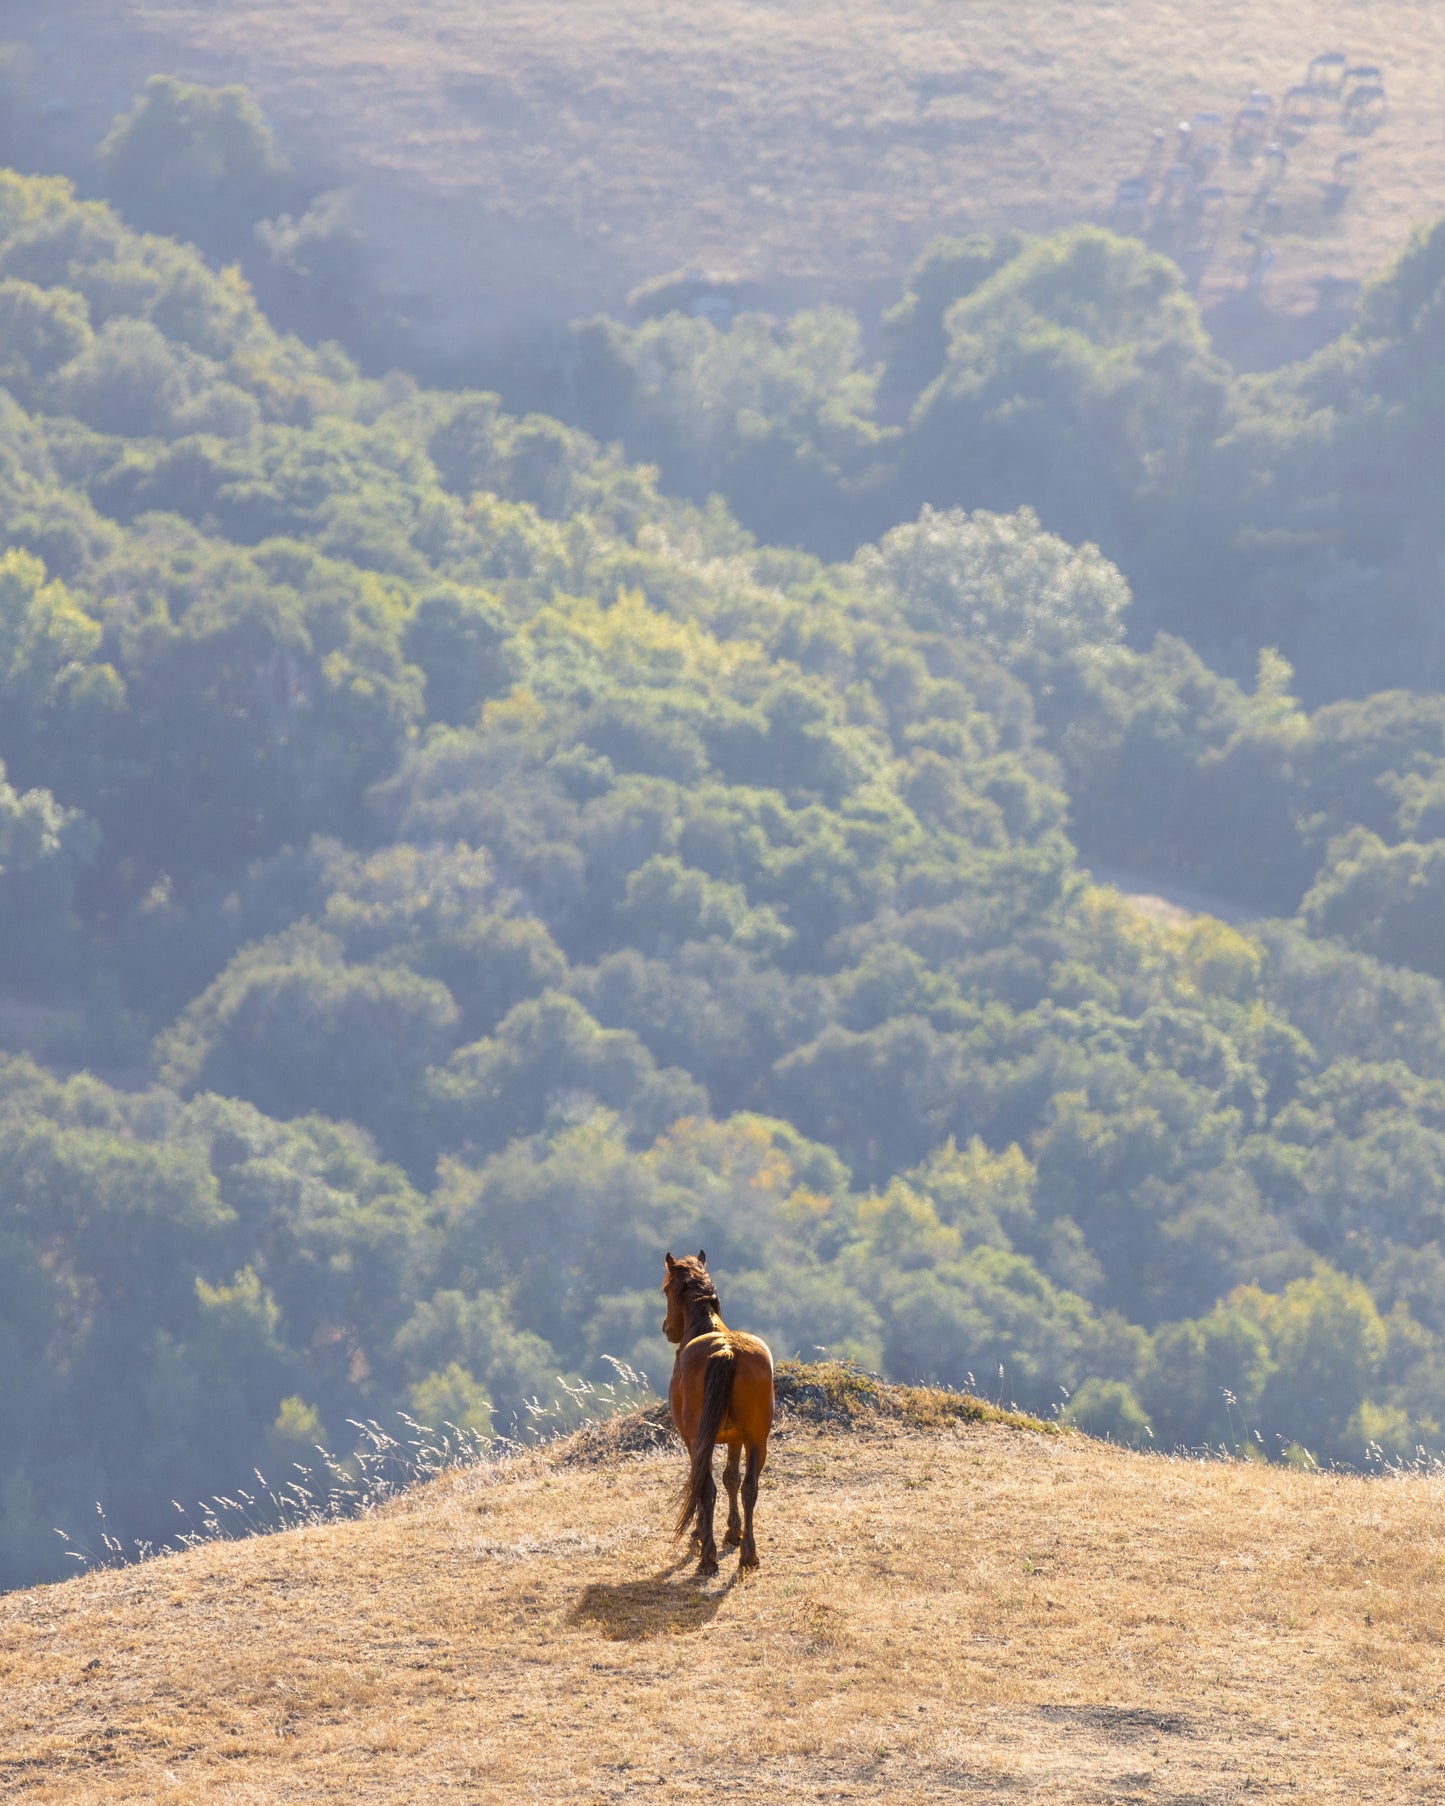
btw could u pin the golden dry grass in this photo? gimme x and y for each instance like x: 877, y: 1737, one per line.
x: 542, y: 156
x: 966, y: 1611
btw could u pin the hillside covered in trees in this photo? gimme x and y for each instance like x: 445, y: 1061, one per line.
x: 445, y: 860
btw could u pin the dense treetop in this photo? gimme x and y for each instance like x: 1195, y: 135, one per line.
x: 454, y: 861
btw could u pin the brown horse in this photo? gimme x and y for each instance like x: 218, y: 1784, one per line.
x: 721, y: 1391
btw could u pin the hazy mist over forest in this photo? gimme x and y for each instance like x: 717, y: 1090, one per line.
x: 866, y: 690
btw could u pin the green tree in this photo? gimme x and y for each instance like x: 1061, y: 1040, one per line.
x: 548, y: 1055
x: 195, y: 163
x: 44, y: 851
x: 293, y: 1027
x: 1034, y: 601
x: 915, y: 329
x: 40, y: 329
x: 1205, y: 1379
x: 459, y: 639
x: 1079, y: 379
x: 1327, y: 1341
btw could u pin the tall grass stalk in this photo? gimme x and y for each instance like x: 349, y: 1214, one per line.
x: 380, y: 1466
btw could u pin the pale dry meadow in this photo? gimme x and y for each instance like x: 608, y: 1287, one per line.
x: 536, y: 158
x: 947, y: 1610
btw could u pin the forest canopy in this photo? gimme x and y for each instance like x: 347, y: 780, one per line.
x: 446, y: 859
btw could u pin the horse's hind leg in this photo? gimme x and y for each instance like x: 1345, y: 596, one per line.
x: 732, y: 1475
x: 748, y: 1555
x: 707, y: 1554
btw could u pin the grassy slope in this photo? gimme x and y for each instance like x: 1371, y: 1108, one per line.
x: 541, y: 156
x: 945, y: 1608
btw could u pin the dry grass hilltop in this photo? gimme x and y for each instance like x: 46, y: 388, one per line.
x: 953, y: 1605
x: 533, y: 158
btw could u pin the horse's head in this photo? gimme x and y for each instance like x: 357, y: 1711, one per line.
x: 686, y: 1279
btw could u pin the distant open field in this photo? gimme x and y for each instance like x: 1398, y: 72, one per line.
x: 529, y: 159
x: 946, y: 1611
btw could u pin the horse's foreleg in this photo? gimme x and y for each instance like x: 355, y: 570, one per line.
x: 748, y: 1555
x: 707, y: 1553
x: 732, y: 1475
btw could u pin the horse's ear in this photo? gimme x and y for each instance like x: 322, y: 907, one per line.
x: 701, y: 1258
x: 671, y: 1264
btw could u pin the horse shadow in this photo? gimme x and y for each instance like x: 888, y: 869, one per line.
x: 668, y: 1603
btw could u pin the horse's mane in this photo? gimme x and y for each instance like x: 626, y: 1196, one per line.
x: 699, y: 1286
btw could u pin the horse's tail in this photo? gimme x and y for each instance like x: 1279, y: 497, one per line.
x: 717, y: 1391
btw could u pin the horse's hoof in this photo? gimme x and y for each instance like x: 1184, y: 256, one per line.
x: 748, y: 1561
x: 732, y: 1540
x: 706, y: 1568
